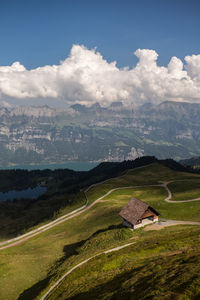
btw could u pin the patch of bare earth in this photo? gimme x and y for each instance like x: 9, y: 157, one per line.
x: 153, y: 227
x: 134, y: 237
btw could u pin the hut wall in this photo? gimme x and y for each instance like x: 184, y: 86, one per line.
x: 127, y: 224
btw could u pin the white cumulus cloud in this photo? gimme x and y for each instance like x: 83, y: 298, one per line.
x: 85, y: 77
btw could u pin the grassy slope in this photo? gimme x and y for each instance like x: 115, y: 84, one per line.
x: 52, y: 248
x: 160, y: 265
x: 185, y: 190
x: 41, y: 252
x: 143, y: 176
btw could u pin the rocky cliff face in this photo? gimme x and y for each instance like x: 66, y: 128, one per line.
x: 43, y: 134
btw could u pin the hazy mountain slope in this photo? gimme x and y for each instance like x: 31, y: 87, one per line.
x: 43, y: 134
x: 193, y: 162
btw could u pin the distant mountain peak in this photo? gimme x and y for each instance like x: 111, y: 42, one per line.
x: 116, y: 104
x: 79, y: 107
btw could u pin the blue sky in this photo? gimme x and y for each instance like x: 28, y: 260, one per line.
x: 60, y: 36
x: 42, y: 32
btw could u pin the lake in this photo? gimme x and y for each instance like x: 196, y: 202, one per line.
x: 27, y: 193
x: 39, y: 190
x: 73, y: 165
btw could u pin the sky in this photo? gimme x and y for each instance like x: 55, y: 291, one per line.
x: 50, y: 46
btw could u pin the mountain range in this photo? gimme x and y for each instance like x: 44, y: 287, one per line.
x: 30, y: 135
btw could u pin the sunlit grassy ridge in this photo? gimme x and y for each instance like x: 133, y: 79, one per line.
x: 184, y: 190
x: 160, y: 265
x: 152, y: 174
x: 34, y: 265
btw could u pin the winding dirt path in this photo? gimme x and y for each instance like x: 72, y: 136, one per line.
x: 168, y: 199
x: 161, y: 225
x: 85, y: 207
x: 24, y: 237
x: 27, y: 236
x: 80, y: 264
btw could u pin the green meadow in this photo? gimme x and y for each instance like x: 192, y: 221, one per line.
x: 159, y: 265
x: 29, y: 269
x: 185, y: 190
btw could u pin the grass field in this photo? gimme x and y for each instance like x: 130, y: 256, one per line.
x: 152, y: 174
x: 28, y: 269
x: 43, y: 251
x: 185, y: 190
x: 160, y: 265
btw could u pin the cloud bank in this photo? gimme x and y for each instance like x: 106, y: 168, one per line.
x: 86, y: 78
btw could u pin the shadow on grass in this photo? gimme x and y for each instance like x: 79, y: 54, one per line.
x: 110, y: 288
x: 111, y: 227
x: 35, y: 290
x: 173, y: 277
x: 68, y: 250
x: 123, y: 287
x: 71, y: 249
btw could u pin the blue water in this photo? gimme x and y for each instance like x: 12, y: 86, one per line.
x: 73, y: 165
x: 28, y: 193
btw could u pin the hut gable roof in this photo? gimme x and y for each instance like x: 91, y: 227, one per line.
x: 134, y: 210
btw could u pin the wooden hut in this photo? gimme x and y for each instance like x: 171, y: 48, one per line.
x: 137, y: 213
